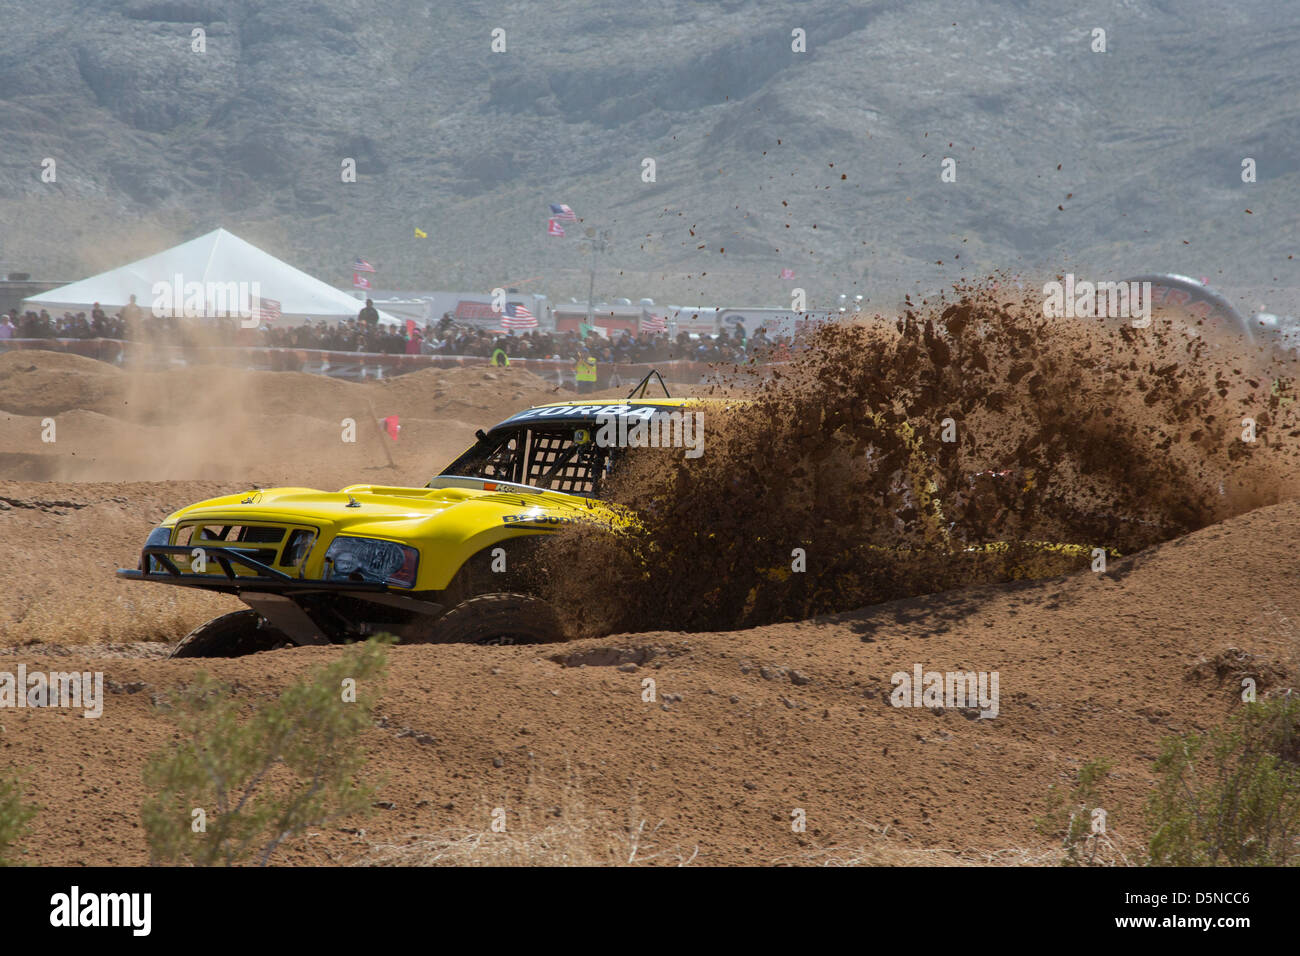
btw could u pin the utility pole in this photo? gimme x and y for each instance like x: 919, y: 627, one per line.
x: 598, y: 244
x: 591, y: 289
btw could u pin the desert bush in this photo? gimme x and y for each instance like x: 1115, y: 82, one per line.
x: 542, y: 829
x: 1078, y: 819
x: 14, y: 814
x: 233, y: 788
x: 1231, y: 797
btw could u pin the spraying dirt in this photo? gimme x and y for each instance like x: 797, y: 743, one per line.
x: 968, y: 441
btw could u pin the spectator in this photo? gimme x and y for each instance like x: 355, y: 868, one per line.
x: 369, y: 316
x: 415, y: 342
x: 584, y: 371
x: 132, y: 315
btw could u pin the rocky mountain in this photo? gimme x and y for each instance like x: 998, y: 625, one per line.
x: 826, y: 161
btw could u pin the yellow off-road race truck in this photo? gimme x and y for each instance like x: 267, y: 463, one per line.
x: 446, y: 563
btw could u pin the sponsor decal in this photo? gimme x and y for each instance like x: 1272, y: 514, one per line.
x: 537, y: 520
x: 623, y: 409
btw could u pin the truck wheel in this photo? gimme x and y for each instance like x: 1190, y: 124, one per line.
x: 231, y: 635
x: 498, y: 619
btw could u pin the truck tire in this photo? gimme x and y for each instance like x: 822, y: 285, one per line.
x: 498, y: 619
x: 231, y: 635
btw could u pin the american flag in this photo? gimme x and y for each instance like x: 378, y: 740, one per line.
x: 361, y: 265
x: 553, y: 228
x: 517, y: 316
x: 563, y: 213
x: 265, y: 310
x: 653, y: 323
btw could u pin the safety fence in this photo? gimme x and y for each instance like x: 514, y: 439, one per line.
x: 354, y: 366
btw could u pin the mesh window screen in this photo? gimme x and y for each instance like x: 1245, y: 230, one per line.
x: 555, y: 462
x: 502, y: 462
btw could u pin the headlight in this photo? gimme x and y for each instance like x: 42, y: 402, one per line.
x: 368, y: 559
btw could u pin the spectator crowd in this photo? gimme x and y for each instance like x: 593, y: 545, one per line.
x: 41, y: 325
x: 366, y: 334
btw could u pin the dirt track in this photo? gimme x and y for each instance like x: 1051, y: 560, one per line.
x: 770, y: 719
x: 1090, y: 666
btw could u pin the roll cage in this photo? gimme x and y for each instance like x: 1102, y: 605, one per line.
x: 553, y: 456
x: 553, y: 447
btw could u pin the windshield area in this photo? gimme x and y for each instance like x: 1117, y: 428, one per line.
x: 556, y: 458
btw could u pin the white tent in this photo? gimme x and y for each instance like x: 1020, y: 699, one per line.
x: 215, y: 274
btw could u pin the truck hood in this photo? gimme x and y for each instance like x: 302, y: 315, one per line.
x: 388, y: 511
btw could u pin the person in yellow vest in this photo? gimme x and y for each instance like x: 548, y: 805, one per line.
x: 584, y: 370
x: 499, y: 358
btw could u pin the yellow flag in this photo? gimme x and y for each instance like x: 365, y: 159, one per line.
x: 420, y: 233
